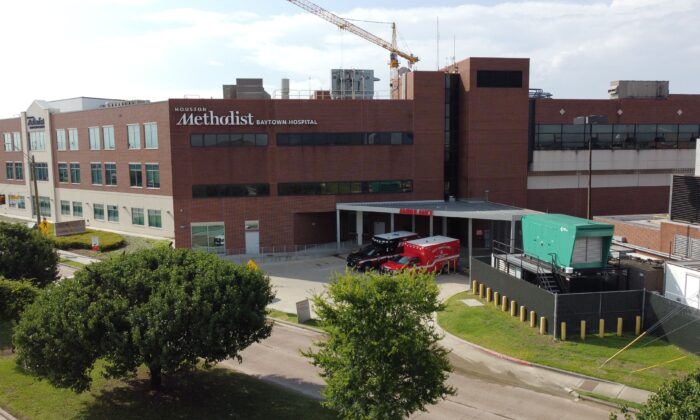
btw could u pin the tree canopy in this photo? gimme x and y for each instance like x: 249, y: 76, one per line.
x: 26, y: 254
x: 381, y: 358
x: 162, y: 307
x: 676, y: 399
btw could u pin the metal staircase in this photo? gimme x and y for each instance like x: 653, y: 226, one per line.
x: 548, y: 282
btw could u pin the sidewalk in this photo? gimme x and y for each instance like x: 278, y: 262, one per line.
x: 76, y: 257
x: 531, y: 374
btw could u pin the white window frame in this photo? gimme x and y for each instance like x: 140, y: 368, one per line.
x: 145, y: 170
x: 108, y: 137
x: 17, y: 140
x: 148, y: 219
x: 94, y: 137
x: 73, y: 135
x: 146, y: 134
x: 70, y: 172
x: 61, y: 144
x: 58, y: 172
x: 104, y: 169
x: 8, y: 142
x: 137, y: 132
x: 102, y: 175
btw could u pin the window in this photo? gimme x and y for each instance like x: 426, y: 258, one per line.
x: 112, y: 213
x: 61, y: 139
x: 150, y: 132
x: 75, y: 173
x: 134, y: 136
x: 98, y: 211
x: 77, y: 209
x: 62, y: 172
x: 19, y: 171
x: 135, y: 175
x: 94, y: 133
x: 17, y: 139
x: 96, y: 173
x: 37, y: 140
x: 152, y: 175
x: 42, y: 172
x: 154, y: 219
x: 228, y: 140
x: 210, y: 238
x: 44, y: 206
x: 230, y: 190
x: 65, y: 208
x: 137, y: 217
x: 8, y: 142
x: 344, y: 187
x: 110, y: 174
x: 499, y: 79
x: 17, y: 201
x: 9, y: 170
x: 73, y: 138
x: 108, y: 134
x: 342, y: 139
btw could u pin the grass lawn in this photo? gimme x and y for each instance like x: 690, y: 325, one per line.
x: 286, y: 316
x: 214, y: 393
x: 71, y: 263
x: 487, y: 326
x: 133, y: 243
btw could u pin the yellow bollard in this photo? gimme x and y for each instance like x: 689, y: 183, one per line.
x: 563, y: 331
x: 488, y: 294
x: 543, y: 325
x: 637, y: 325
x: 619, y: 327
x: 481, y: 290
x: 533, y: 320
x: 496, y: 298
x: 601, y: 328
x: 523, y: 314
x: 475, y: 288
x: 504, y: 303
x: 583, y: 330
x: 513, y: 308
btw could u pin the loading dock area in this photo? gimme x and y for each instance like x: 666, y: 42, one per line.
x: 468, y: 220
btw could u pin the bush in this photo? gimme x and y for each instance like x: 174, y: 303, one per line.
x: 108, y: 240
x: 15, y: 295
x: 26, y: 254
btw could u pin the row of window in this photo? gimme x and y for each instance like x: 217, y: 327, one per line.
x: 103, y: 137
x: 228, y: 139
x: 12, y: 141
x: 611, y: 136
x: 302, y: 188
x: 14, y: 170
x: 70, y: 172
x: 344, y: 139
x: 155, y: 218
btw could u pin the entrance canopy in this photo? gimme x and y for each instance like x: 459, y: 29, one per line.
x: 464, y: 209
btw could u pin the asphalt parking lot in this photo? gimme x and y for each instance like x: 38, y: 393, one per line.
x: 294, y: 281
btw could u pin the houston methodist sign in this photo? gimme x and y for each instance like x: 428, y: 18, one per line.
x: 201, y: 116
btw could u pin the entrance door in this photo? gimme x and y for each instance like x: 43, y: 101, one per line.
x: 252, y: 237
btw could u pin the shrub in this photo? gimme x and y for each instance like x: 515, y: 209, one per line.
x: 108, y: 240
x: 15, y: 295
x: 26, y: 254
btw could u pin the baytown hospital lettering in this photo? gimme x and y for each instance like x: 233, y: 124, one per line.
x: 200, y: 116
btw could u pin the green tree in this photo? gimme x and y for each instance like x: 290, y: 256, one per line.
x: 381, y: 358
x: 677, y: 399
x: 165, y: 308
x: 14, y: 297
x: 26, y: 254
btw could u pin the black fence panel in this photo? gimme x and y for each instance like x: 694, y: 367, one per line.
x: 680, y: 324
x: 592, y: 307
x: 524, y: 293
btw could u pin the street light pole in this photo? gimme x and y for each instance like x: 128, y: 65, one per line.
x: 589, y: 120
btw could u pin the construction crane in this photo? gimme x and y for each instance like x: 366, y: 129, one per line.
x: 394, y: 52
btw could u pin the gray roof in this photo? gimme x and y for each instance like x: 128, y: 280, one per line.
x: 465, y: 209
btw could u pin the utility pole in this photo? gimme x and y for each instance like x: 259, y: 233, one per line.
x: 589, y: 120
x: 36, y: 193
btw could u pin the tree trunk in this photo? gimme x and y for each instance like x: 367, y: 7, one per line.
x: 156, y: 378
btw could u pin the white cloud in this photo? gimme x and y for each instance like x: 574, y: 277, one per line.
x: 143, y: 49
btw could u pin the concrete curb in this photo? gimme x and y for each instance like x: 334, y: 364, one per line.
x: 4, y: 415
x: 302, y: 326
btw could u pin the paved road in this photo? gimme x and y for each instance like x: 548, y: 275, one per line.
x: 480, y: 396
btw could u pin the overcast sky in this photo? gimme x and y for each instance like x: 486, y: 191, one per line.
x: 153, y: 49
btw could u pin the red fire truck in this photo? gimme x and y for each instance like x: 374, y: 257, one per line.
x: 433, y: 254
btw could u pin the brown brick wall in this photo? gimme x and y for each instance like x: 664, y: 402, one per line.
x: 670, y: 229
x: 122, y: 156
x: 9, y: 125
x: 645, y: 236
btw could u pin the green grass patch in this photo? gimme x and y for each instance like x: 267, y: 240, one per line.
x: 71, y: 263
x: 286, y: 316
x: 108, y: 240
x: 616, y: 401
x: 214, y: 393
x: 489, y: 327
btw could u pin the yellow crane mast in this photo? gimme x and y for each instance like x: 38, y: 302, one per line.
x: 344, y: 24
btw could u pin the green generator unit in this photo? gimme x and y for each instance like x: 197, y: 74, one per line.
x: 568, y: 242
